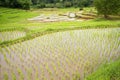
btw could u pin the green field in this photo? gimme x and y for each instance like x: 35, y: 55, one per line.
x: 109, y: 71
x: 61, y: 50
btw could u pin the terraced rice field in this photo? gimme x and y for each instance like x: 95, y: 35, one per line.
x: 11, y: 35
x: 60, y: 56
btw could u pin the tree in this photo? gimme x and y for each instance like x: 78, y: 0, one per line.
x: 107, y: 7
x: 26, y: 4
x: 2, y: 2
x: 23, y: 4
x: 34, y: 2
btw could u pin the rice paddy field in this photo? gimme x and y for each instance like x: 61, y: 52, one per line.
x: 60, y: 56
x: 11, y: 35
x: 56, y: 50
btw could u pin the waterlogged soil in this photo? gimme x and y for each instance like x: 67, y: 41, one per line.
x: 54, y: 18
x: 11, y: 35
x: 61, y: 55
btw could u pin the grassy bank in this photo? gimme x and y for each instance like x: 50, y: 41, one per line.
x: 109, y: 71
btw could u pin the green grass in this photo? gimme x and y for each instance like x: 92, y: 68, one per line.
x: 16, y: 19
x: 14, y: 15
x: 109, y: 71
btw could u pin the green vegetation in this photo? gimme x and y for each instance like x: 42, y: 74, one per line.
x: 107, y: 7
x: 6, y: 76
x: 11, y: 35
x: 109, y: 71
x: 69, y: 55
x: 25, y: 4
x: 77, y: 76
x: 58, y: 46
x: 13, y: 76
x: 17, y: 20
x: 20, y: 74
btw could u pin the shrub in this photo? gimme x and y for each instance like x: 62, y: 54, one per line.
x: 107, y: 7
x: 67, y: 4
x: 59, y: 5
x: 41, y: 5
x: 26, y: 6
x: 23, y: 4
x: 50, y: 5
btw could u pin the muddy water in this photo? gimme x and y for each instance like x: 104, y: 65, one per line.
x: 54, y: 18
x: 61, y: 55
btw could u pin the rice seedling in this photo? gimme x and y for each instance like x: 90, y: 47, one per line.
x: 60, y: 55
x: 6, y: 76
x: 5, y: 36
x: 13, y: 76
x: 20, y: 74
